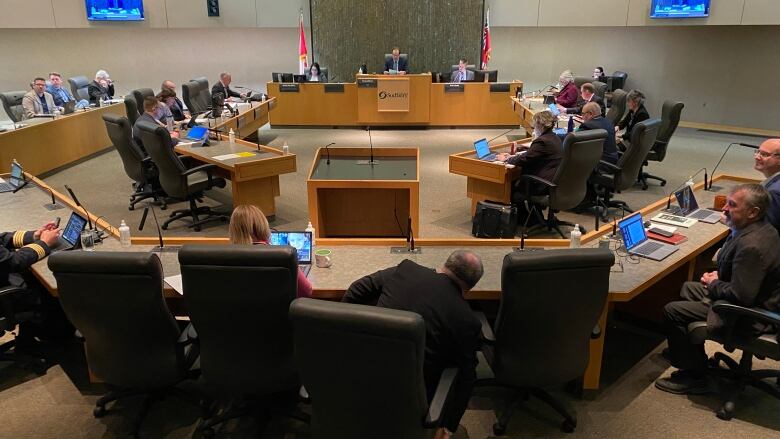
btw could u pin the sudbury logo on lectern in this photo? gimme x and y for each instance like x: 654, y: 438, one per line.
x: 385, y: 95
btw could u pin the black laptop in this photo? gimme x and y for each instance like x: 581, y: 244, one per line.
x: 71, y: 234
x: 14, y: 180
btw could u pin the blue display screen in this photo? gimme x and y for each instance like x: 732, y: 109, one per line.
x: 300, y: 240
x: 73, y: 229
x: 115, y: 10
x: 482, y: 147
x: 680, y: 8
x: 633, y: 231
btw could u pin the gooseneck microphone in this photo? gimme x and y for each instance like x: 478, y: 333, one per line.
x: 327, y: 151
x: 53, y: 205
x: 523, y: 230
x: 502, y: 134
x: 371, y: 160
x: 746, y: 145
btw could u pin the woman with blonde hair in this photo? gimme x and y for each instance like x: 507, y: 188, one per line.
x: 248, y: 225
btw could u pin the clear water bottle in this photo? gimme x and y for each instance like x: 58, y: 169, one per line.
x: 575, y: 237
x: 232, y: 137
x: 310, y: 228
x: 285, y: 148
x: 56, y: 113
x: 124, y: 234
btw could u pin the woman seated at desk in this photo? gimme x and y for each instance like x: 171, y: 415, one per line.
x: 567, y: 90
x: 315, y: 74
x: 636, y: 113
x: 248, y: 225
x: 540, y: 159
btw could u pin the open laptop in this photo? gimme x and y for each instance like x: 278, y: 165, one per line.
x: 554, y: 110
x: 634, y: 237
x: 689, y: 207
x: 71, y: 234
x: 69, y: 107
x: 15, y: 180
x: 301, y: 241
x: 483, y: 150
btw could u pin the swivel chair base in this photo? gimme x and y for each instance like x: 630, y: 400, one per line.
x: 36, y: 364
x: 644, y: 176
x: 146, y: 192
x: 193, y: 212
x: 238, y: 408
x: 741, y: 375
x: 551, y: 223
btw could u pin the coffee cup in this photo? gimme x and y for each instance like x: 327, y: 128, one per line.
x: 720, y: 201
x: 322, y: 258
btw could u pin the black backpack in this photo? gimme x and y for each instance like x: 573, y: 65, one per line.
x: 494, y: 220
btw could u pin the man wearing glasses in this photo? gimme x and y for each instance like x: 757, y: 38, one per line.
x: 768, y: 163
x: 37, y: 101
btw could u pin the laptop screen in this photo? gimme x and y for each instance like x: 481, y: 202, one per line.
x: 482, y: 148
x: 197, y: 133
x: 554, y: 109
x: 72, y: 232
x: 686, y: 200
x: 633, y: 231
x: 300, y: 240
x: 16, y: 174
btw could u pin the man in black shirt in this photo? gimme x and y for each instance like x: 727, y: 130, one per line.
x: 452, y: 332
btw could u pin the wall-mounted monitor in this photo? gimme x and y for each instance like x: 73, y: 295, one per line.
x: 115, y: 10
x: 680, y: 8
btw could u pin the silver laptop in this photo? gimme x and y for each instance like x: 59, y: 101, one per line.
x: 302, y: 243
x: 634, y: 237
x: 14, y: 180
x: 689, y: 207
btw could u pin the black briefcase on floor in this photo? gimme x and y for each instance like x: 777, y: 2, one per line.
x: 494, y: 220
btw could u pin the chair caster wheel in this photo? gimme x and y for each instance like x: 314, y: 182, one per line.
x: 726, y: 412
x: 663, y: 183
x: 99, y: 411
x: 644, y: 187
x: 196, y: 228
x: 163, y: 207
x: 568, y: 426
x: 499, y: 429
x: 207, y: 433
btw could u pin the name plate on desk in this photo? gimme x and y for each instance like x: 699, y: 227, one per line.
x: 334, y: 88
x: 289, y: 88
x: 453, y: 88
x: 366, y: 83
x: 499, y: 87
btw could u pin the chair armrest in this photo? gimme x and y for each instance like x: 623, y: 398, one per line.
x: 443, y: 390
x: 188, y: 336
x: 730, y: 311
x: 7, y: 291
x: 79, y: 336
x: 596, y: 332
x: 525, y: 182
x: 146, y: 160
x: 205, y: 168
x: 611, y: 166
x: 304, y: 395
x: 487, y: 332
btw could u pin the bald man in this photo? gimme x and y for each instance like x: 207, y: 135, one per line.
x: 768, y: 163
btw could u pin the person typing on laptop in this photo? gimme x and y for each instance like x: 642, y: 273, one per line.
x: 748, y: 275
x: 248, y: 225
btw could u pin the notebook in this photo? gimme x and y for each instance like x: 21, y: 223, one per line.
x: 635, y: 238
x: 302, y: 243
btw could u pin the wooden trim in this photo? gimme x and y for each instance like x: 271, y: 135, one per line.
x: 730, y: 129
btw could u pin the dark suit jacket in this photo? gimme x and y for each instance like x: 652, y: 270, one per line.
x: 18, y: 251
x: 177, y: 110
x: 542, y: 158
x: 773, y: 214
x: 455, y: 77
x: 402, y: 65
x: 451, y: 330
x: 137, y: 131
x: 577, y: 108
x: 631, y: 119
x: 97, y: 91
x: 749, y: 268
x: 610, y: 147
x: 226, y: 91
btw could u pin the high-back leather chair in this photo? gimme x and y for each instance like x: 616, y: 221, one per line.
x: 196, y: 95
x: 79, y: 85
x: 139, y: 95
x: 579, y: 80
x: 132, y: 110
x: 138, y: 166
x: 617, y: 108
x: 362, y: 367
x: 115, y: 300
x: 618, y: 177
x: 324, y: 74
x: 204, y: 93
x: 176, y: 180
x: 238, y: 298
x: 670, y: 118
x: 619, y: 80
x: 455, y: 67
x: 600, y: 89
x: 581, y: 154
x: 10, y: 316
x: 12, y: 104
x: 550, y: 303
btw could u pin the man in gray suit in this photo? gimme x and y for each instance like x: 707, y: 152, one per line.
x: 37, y: 101
x: 748, y: 275
x: 462, y: 74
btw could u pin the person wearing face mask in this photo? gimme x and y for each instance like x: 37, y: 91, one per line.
x: 636, y: 113
x: 37, y: 101
x: 540, y: 159
x: 154, y: 113
x: 567, y: 91
x: 315, y: 74
x: 748, y: 275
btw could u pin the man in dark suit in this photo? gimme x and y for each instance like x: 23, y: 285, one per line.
x: 593, y: 120
x: 396, y: 63
x: 153, y: 113
x: 587, y: 94
x: 748, y: 275
x: 452, y: 332
x: 223, y: 86
x: 768, y: 163
x: 101, y: 88
x: 462, y: 74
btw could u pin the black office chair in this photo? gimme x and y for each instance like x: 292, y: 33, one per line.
x: 362, y: 367
x: 138, y: 166
x: 670, y: 118
x: 618, y: 106
x: 619, y: 80
x: 132, y: 110
x: 79, y: 85
x: 12, y: 104
x: 324, y: 74
x: 132, y: 342
x: 733, y: 335
x: 196, y: 95
x: 455, y: 67
x: 600, y: 89
x: 611, y: 178
x: 238, y: 297
x: 176, y: 180
x: 550, y: 302
x: 579, y: 80
x: 139, y: 95
x: 10, y: 317
x: 581, y: 154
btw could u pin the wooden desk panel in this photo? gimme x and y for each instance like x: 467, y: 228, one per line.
x: 476, y: 105
x: 249, y: 119
x: 43, y: 146
x: 485, y: 180
x: 312, y: 106
x: 419, y: 101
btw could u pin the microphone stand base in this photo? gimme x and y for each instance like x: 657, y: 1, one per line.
x: 50, y: 206
x: 526, y: 249
x: 169, y: 249
x: 367, y: 162
x: 714, y: 189
x: 405, y: 251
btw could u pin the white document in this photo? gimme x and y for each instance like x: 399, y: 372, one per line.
x: 175, y: 283
x: 226, y: 156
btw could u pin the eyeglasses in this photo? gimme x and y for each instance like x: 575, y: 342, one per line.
x: 765, y: 155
